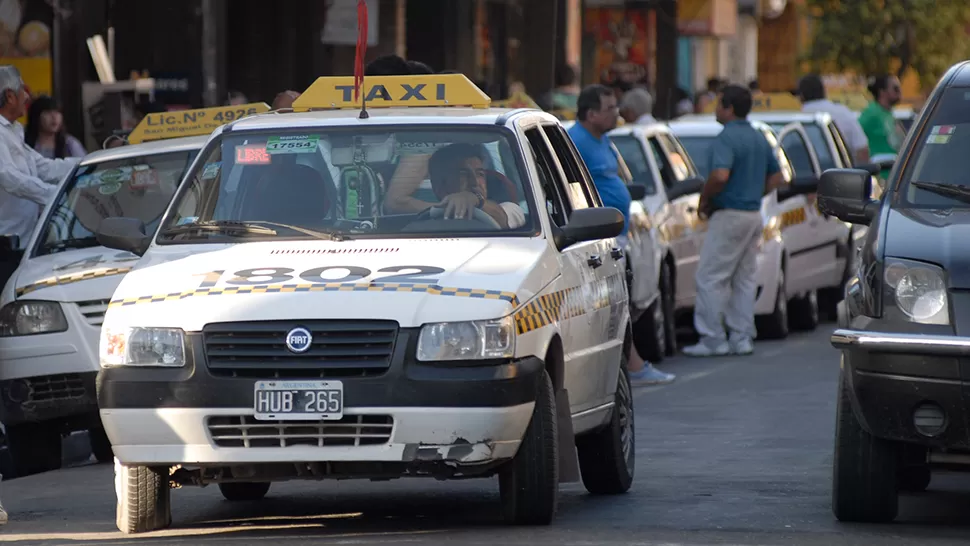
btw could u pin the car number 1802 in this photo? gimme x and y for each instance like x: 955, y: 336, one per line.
x: 298, y: 400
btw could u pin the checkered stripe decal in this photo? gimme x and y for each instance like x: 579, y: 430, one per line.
x: 570, y: 303
x: 68, y: 279
x: 323, y: 287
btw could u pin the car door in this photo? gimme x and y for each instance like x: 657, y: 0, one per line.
x: 685, y: 231
x: 595, y: 378
x: 808, y: 241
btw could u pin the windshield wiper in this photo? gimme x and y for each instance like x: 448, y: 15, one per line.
x: 79, y: 242
x: 220, y: 226
x: 956, y: 191
x: 312, y: 233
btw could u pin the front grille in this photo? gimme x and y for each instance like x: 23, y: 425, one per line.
x: 93, y: 311
x: 340, y: 348
x: 352, y: 430
x: 50, y: 388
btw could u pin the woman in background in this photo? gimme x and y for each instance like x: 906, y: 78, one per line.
x: 45, y: 131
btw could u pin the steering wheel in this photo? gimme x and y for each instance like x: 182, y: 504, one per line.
x: 478, y: 215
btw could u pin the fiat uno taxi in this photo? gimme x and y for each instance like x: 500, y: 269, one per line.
x: 285, y: 322
x: 904, y: 329
x: 54, y: 303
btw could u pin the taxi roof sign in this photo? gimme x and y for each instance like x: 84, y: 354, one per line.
x: 767, y: 102
x: 329, y: 93
x: 186, y: 123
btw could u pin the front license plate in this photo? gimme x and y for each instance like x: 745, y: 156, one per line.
x: 301, y: 400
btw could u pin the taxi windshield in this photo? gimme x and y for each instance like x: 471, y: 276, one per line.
x: 939, y: 156
x: 137, y: 187
x: 352, y: 183
x: 699, y: 149
x: 636, y: 159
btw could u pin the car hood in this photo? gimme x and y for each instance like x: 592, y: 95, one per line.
x: 86, y: 274
x: 410, y: 281
x: 941, y: 237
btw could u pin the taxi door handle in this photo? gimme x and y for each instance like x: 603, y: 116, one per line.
x: 594, y: 261
x: 616, y: 253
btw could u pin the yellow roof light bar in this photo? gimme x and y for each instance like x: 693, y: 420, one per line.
x: 767, y: 102
x: 436, y: 90
x: 187, y: 123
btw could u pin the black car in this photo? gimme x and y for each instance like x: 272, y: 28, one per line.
x: 904, y: 325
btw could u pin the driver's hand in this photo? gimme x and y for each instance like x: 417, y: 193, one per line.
x: 459, y: 205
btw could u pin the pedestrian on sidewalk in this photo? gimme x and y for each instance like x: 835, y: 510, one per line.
x: 743, y: 170
x: 636, y: 107
x: 811, y: 91
x: 596, y: 114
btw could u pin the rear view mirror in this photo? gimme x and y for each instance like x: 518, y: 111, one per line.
x: 686, y: 187
x: 800, y: 186
x: 122, y: 233
x: 845, y: 194
x: 590, y: 225
x: 637, y: 191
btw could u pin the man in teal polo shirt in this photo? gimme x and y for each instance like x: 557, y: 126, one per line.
x: 743, y: 170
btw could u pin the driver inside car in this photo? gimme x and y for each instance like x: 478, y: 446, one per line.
x: 457, y: 174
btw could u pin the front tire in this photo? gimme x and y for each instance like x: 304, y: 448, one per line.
x: 144, y: 498
x: 775, y: 325
x: 529, y: 483
x: 607, y: 457
x: 803, y: 312
x: 864, y: 476
x: 654, y: 333
x: 244, y: 491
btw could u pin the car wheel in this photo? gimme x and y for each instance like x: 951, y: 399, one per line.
x: 34, y: 447
x: 144, y: 498
x: 654, y: 335
x: 244, y: 491
x: 100, y: 445
x: 803, y: 312
x: 607, y: 457
x: 864, y: 479
x: 775, y: 325
x: 529, y: 483
x: 667, y: 293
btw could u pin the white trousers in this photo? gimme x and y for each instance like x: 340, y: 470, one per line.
x: 726, y: 276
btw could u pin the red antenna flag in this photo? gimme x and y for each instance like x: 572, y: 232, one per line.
x: 361, y: 47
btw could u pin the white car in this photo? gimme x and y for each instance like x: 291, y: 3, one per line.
x: 270, y: 331
x: 54, y: 303
x: 796, y: 258
x: 651, y: 278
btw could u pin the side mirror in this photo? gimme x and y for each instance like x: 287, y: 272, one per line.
x: 10, y: 248
x: 845, y: 194
x: 686, y: 187
x: 879, y: 163
x: 590, y: 225
x: 637, y: 191
x: 799, y: 186
x: 122, y: 233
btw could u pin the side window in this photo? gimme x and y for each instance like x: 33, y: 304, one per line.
x: 555, y: 203
x: 666, y: 171
x: 840, y: 144
x: 581, y: 195
x: 679, y: 160
x: 797, y: 150
x: 787, y: 171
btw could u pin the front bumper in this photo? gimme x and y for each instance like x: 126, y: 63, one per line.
x: 414, y: 411
x: 893, y: 375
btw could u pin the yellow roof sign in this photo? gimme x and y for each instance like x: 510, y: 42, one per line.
x: 186, y: 123
x: 768, y: 102
x: 393, y: 91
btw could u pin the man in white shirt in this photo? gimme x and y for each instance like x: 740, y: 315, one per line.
x: 811, y: 91
x: 636, y: 106
x: 28, y: 180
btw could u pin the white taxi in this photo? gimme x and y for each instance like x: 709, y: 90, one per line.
x: 792, y: 266
x: 53, y: 305
x: 280, y: 325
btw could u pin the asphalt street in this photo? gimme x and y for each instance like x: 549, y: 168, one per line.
x: 737, y: 451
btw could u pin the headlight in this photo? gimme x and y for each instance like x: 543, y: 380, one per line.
x: 148, y: 347
x: 919, y: 291
x: 478, y: 340
x: 772, y: 228
x: 26, y: 318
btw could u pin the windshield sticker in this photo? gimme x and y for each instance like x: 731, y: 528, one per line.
x: 110, y: 188
x: 187, y: 220
x: 297, y: 144
x: 938, y: 139
x: 85, y: 181
x: 115, y: 175
x: 143, y: 177
x: 252, y: 154
x: 943, y: 130
x: 211, y: 170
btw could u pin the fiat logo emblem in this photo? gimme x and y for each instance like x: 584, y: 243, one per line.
x: 298, y: 340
